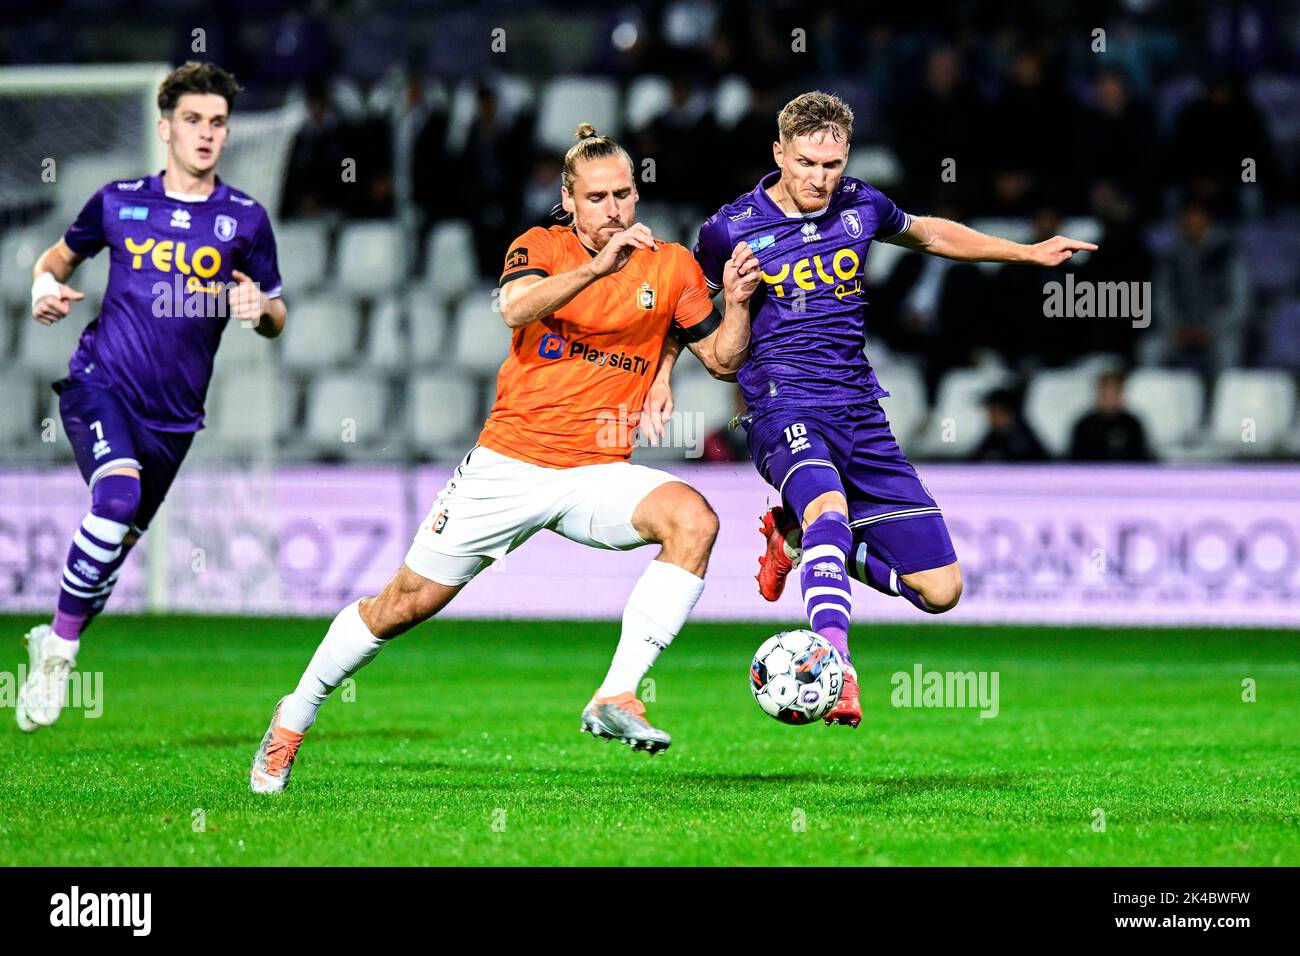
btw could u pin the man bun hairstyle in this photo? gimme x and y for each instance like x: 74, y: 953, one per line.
x: 813, y: 112
x: 195, y: 77
x: 590, y: 145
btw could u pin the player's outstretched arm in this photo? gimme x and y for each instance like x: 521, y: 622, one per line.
x: 51, y: 298
x: 952, y: 240
x: 526, y: 300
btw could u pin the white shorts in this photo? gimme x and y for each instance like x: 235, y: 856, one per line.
x: 492, y: 504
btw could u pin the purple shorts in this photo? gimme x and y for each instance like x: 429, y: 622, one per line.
x: 105, y: 435
x: 850, y: 449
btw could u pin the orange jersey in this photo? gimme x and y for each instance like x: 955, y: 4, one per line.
x: 570, y: 392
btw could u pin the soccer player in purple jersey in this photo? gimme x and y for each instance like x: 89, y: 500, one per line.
x: 187, y: 253
x: 850, y: 499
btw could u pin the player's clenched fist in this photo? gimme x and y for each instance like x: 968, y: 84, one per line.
x: 620, y: 247
x: 48, y: 309
x: 741, y: 273
x: 247, y: 303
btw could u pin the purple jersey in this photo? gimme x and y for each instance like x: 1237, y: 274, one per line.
x: 165, y: 307
x: 809, y: 312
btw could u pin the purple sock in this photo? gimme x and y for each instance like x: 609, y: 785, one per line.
x: 96, y: 554
x: 872, y: 571
x: 825, y: 579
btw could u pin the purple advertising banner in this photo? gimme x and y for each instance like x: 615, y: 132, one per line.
x: 1037, y: 544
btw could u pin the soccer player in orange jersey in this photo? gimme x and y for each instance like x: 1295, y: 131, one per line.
x: 592, y: 306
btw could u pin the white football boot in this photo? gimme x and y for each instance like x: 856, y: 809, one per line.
x: 50, y: 661
x: 273, y: 762
x: 623, y: 718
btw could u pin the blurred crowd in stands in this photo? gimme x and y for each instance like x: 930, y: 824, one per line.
x: 1173, y: 126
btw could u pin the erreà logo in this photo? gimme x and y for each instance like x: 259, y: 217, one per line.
x: 517, y: 257
x: 551, y: 346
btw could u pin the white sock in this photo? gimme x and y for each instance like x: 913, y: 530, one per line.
x: 655, y: 612
x: 348, y: 646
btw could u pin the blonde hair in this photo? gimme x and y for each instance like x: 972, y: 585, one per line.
x: 809, y: 113
x: 589, y: 145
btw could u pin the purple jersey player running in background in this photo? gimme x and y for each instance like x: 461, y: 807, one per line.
x: 816, y: 430
x: 187, y: 253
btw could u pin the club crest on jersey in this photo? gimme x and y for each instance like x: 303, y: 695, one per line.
x: 180, y: 219
x: 645, y: 297
x: 852, y: 220
x: 225, y: 227
x: 810, y: 233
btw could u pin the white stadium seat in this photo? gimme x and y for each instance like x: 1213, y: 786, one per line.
x: 302, y: 250
x: 450, y: 264
x: 1256, y: 402
x: 731, y: 101
x: 1055, y: 400
x: 1169, y: 403
x: 648, y: 98
x: 19, y: 250
x: 566, y: 102
x: 248, y: 409
x: 712, y: 401
x: 20, y: 398
x: 79, y: 179
x: 349, y: 403
x: 428, y: 328
x: 371, y: 258
x: 482, y: 338
x: 959, y: 422
x: 877, y: 165
x: 442, y: 410
x: 906, y: 405
x: 515, y: 96
x: 322, y: 331
x: 45, y: 349
x: 242, y: 347
x: 388, y: 346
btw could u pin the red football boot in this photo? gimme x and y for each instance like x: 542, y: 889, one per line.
x: 783, y: 553
x: 848, y: 709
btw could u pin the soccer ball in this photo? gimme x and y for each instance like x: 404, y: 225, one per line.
x: 796, y: 677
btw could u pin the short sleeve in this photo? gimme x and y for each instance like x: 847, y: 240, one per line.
x: 529, y: 255
x: 85, y: 236
x: 260, y: 262
x: 890, y: 220
x: 713, y: 249
x: 694, y: 316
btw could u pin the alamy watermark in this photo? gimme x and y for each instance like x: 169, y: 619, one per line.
x: 1083, y: 299
x: 623, y: 429
x: 85, y: 690
x: 922, y: 688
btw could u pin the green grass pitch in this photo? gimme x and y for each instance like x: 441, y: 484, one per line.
x: 462, y: 747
